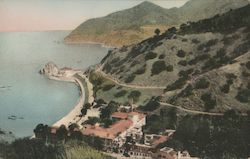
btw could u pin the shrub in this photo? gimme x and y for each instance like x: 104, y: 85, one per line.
x: 209, y: 101
x: 184, y: 40
x: 108, y: 110
x: 245, y: 74
x: 115, y: 60
x: 220, y: 53
x: 248, y: 65
x: 202, y: 84
x: 129, y: 79
x: 178, y: 84
x: 108, y: 87
x: 157, y: 31
x: 135, y: 63
x: 199, y: 58
x: 92, y: 120
x: 185, y: 73
x: 181, y: 53
x: 248, y: 85
x: 170, y: 68
x: 185, y: 92
x: 225, y: 88
x: 151, y: 105
x: 120, y: 93
x: 158, y: 67
x: 172, y: 30
x: 242, y: 48
x: 182, y: 63
x: 162, y: 56
x: 150, y: 55
x: 107, y: 67
x: 100, y: 102
x: 195, y: 41
x: 134, y: 95
x: 206, y: 46
x: 140, y: 71
x: 243, y: 96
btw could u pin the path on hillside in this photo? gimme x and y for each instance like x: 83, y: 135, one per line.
x: 116, y: 81
x: 156, y: 87
x: 191, y: 111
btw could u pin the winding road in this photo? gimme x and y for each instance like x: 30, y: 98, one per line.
x: 103, y: 74
x: 116, y: 81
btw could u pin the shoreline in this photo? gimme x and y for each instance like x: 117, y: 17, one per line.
x: 73, y: 115
x: 90, y: 42
x: 86, y: 96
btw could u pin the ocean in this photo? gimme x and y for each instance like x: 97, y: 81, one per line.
x: 28, y: 98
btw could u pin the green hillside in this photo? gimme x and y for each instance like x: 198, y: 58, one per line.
x: 138, y: 23
x: 203, y: 65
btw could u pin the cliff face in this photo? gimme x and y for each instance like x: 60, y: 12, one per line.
x: 204, y: 65
x: 135, y: 24
x: 50, y: 69
x: 6, y: 137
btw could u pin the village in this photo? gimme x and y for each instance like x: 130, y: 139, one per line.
x: 116, y: 128
x: 125, y: 137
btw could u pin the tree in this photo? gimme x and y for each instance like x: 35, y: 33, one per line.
x: 151, y: 105
x: 108, y: 110
x: 62, y: 133
x: 73, y: 126
x: 134, y: 95
x: 209, y: 101
x: 157, y: 32
x: 42, y: 131
x: 87, y: 105
x: 84, y: 111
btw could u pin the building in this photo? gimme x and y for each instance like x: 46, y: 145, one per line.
x: 154, y: 140
x: 169, y: 153
x: 125, y: 124
x: 165, y: 153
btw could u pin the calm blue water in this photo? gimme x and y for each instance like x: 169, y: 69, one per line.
x: 30, y: 95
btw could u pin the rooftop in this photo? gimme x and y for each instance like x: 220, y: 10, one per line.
x: 109, y: 133
x: 114, y: 130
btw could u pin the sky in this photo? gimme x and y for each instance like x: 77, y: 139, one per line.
x: 41, y: 15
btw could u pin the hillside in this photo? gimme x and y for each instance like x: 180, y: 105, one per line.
x: 36, y: 149
x: 135, y: 24
x: 203, y: 66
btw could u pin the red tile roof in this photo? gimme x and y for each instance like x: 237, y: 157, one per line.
x: 108, y: 133
x: 114, y: 130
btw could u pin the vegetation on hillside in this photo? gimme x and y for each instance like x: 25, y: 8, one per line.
x: 213, y: 136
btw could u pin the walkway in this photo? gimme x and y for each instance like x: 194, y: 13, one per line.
x: 116, y: 81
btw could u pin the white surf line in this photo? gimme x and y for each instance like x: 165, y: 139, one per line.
x: 73, y: 115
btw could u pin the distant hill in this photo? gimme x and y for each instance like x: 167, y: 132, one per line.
x: 204, y: 65
x: 135, y: 24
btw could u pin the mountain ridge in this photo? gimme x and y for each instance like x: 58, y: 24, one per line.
x: 204, y: 65
x: 132, y: 25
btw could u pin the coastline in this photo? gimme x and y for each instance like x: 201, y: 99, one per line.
x: 86, y: 96
x: 90, y: 42
x: 73, y: 115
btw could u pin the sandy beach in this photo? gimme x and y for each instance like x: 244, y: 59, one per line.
x: 86, y: 88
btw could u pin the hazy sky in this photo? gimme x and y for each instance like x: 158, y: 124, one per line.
x: 34, y: 15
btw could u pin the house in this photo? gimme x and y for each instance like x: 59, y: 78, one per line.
x: 126, y: 124
x: 169, y: 153
x: 154, y: 140
x: 165, y: 153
